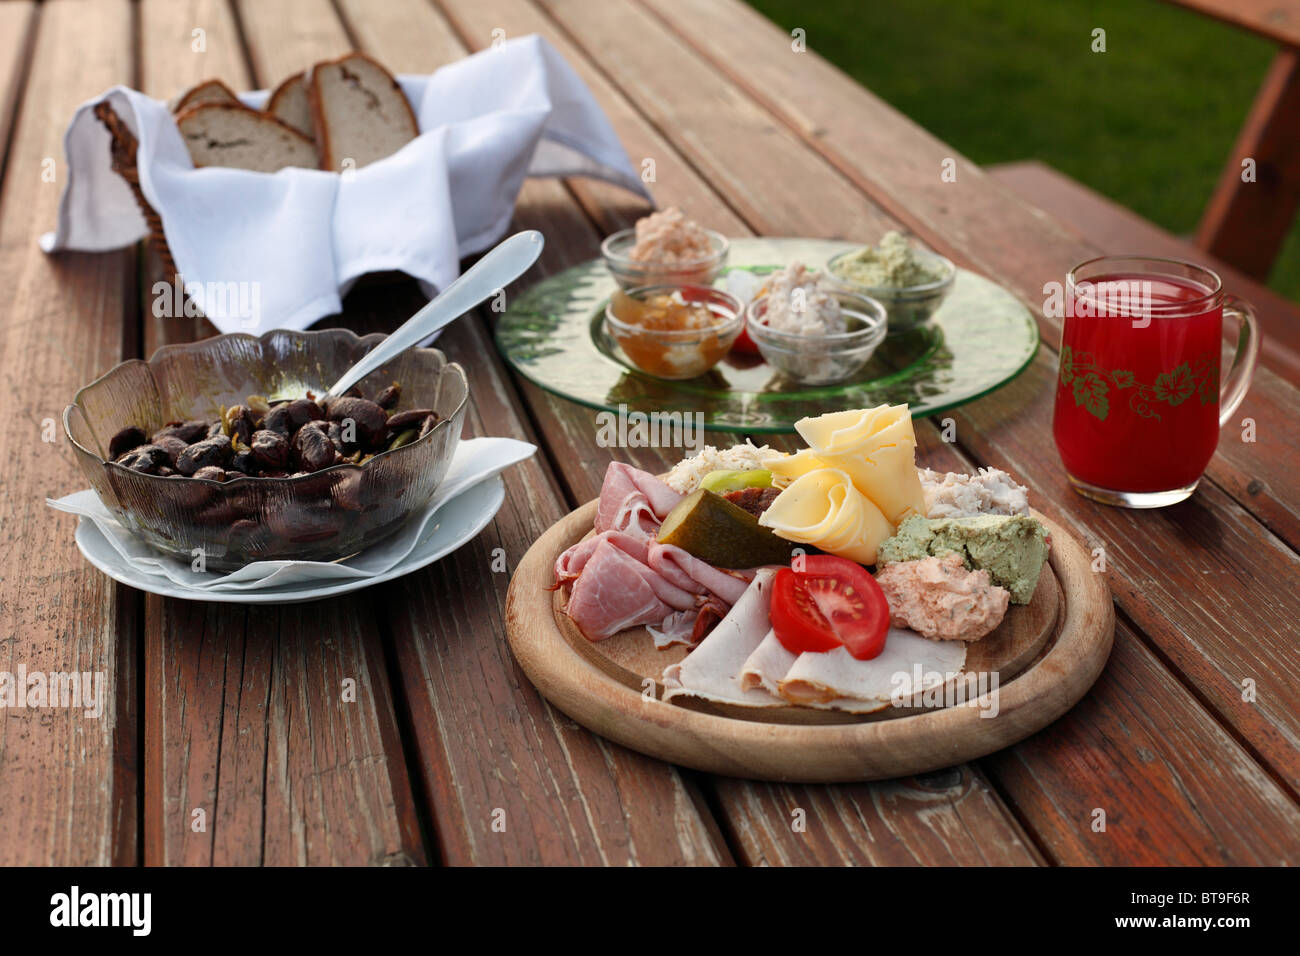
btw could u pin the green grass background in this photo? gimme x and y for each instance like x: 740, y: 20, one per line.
x: 1149, y: 123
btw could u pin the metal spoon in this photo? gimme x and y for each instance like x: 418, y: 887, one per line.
x: 496, y: 270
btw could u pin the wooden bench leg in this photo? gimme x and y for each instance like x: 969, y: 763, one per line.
x: 1246, y: 223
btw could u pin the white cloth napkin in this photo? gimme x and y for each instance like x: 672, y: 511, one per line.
x: 293, y: 241
x: 475, y: 460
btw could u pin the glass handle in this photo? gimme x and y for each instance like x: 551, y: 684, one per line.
x: 1237, y: 381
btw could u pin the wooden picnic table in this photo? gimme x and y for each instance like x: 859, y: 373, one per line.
x: 448, y: 755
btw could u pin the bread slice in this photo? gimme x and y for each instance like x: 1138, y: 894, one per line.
x: 209, y: 91
x: 222, y: 134
x: 360, y: 112
x: 289, y: 104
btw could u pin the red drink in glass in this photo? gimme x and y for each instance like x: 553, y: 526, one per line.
x: 1137, y: 399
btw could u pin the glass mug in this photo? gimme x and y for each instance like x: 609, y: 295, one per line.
x: 1138, y: 400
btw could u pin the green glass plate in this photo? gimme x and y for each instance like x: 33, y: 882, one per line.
x: 980, y: 338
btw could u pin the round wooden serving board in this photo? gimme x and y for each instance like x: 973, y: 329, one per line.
x: 1045, y: 655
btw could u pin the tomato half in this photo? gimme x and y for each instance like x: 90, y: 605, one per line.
x: 825, y: 602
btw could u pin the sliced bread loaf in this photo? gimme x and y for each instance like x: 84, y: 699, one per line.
x: 289, y: 104
x: 222, y: 134
x: 209, y: 91
x: 360, y: 112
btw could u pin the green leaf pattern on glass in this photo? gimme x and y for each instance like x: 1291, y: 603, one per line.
x: 1091, y: 384
x: 1090, y: 391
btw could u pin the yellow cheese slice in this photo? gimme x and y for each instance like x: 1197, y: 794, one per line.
x: 838, y: 433
x: 825, y: 509
x: 876, y: 447
x: 888, y: 476
x: 786, y: 468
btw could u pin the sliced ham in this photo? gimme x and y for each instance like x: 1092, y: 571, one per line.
x: 614, y: 592
x: 633, y: 501
x: 689, y: 572
x: 570, y: 564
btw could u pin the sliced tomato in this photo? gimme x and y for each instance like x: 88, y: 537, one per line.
x: 798, y: 622
x: 825, y: 602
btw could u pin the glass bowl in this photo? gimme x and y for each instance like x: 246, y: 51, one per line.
x: 674, y: 354
x: 822, y: 359
x: 322, y: 516
x: 907, y: 306
x: 631, y: 274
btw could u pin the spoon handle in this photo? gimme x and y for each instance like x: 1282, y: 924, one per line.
x: 496, y: 270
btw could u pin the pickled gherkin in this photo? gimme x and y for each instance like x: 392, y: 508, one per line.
x: 711, y: 528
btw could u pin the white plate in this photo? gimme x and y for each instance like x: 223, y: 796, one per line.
x: 456, y: 522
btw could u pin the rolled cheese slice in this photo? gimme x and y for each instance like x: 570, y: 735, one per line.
x: 786, y: 468
x: 858, y: 430
x: 823, y: 508
x: 876, y: 447
x: 887, y: 476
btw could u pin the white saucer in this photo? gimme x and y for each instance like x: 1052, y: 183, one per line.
x: 457, y: 522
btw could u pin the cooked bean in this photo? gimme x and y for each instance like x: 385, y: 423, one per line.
x: 188, y: 432
x: 239, y: 424
x: 312, y: 447
x: 210, y: 472
x: 172, y: 445
x: 371, y: 420
x: 210, y: 451
x: 429, y: 424
x: 147, y: 459
x: 389, y: 396
x: 412, y: 416
x: 130, y: 437
x: 270, y: 448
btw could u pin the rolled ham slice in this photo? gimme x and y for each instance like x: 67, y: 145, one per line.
x: 616, y: 591
x: 712, y: 670
x: 633, y: 501
x: 689, y: 572
x: 570, y: 564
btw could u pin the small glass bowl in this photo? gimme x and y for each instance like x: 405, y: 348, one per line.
x: 678, y: 354
x: 822, y: 359
x: 907, y: 306
x: 630, y: 273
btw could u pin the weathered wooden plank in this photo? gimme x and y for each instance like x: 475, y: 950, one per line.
x: 17, y: 23
x: 967, y: 216
x: 290, y: 35
x: 245, y: 712
x: 1014, y: 431
x: 493, y: 754
x: 570, y: 431
x: 70, y: 780
x: 660, y: 163
x: 1143, y: 751
x: 1246, y: 222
